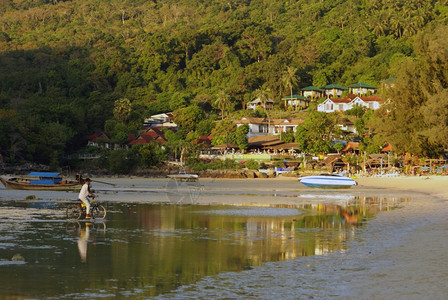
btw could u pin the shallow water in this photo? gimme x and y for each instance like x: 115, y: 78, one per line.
x: 147, y: 249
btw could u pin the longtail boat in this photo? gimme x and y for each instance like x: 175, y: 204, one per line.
x: 42, y: 181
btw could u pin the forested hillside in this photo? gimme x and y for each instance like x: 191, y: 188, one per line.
x: 68, y: 68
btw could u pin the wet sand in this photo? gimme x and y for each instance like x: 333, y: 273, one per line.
x: 416, y: 265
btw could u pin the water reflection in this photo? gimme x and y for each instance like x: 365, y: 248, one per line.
x: 151, y: 249
x: 82, y: 242
x: 83, y: 230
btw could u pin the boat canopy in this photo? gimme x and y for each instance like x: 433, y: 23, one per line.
x: 44, y: 174
x: 45, y: 178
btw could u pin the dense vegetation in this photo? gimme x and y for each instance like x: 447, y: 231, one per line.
x: 68, y: 68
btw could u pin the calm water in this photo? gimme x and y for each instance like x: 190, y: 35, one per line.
x: 145, y: 250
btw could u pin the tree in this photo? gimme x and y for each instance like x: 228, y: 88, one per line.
x: 205, y: 126
x: 417, y: 103
x: 262, y: 94
x: 122, y: 109
x: 241, y: 136
x: 338, y: 146
x: 175, y: 142
x: 222, y: 102
x: 289, y: 78
x: 435, y: 116
x: 301, y: 137
x: 287, y: 137
x: 317, y: 134
x: 360, y: 126
x: 221, y: 131
x: 150, y: 154
x: 117, y: 162
x: 255, y: 42
x: 357, y: 111
x: 188, y: 117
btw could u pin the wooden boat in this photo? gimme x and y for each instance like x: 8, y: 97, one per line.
x: 41, y: 181
x: 331, y: 181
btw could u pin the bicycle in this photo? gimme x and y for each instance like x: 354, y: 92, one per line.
x: 78, y: 211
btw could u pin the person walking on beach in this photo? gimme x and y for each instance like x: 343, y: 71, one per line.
x: 83, y: 194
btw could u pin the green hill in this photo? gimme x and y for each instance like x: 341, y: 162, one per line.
x: 64, y: 64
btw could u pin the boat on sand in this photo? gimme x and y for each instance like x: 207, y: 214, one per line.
x: 42, y: 181
x: 183, y: 176
x: 331, y: 181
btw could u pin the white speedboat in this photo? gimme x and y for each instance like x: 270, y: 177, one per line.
x: 331, y: 181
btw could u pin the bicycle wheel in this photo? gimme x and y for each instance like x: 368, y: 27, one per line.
x: 73, y: 212
x: 98, y: 212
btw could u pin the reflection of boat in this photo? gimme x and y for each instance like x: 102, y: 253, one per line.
x: 41, y: 181
x: 328, y: 181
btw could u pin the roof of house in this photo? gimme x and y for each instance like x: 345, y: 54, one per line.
x: 258, y: 101
x: 362, y: 85
x: 351, y: 146
x: 334, y: 86
x: 331, y: 159
x: 251, y: 120
x: 151, y: 134
x: 371, y: 98
x: 340, y: 100
x: 286, y: 146
x: 311, y: 88
x: 263, y: 140
x: 387, y: 148
x: 98, y: 135
x: 290, y: 122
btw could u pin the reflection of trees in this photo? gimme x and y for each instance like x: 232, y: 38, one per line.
x: 165, y: 246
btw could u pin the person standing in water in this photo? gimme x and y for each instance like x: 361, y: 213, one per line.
x: 85, y: 191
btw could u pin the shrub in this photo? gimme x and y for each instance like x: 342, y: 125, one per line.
x: 252, y: 165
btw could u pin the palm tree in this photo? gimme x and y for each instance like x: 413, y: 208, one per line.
x: 289, y: 78
x: 222, y: 102
x: 122, y: 109
x: 263, y: 94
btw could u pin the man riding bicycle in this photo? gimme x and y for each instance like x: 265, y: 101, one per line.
x: 83, y: 196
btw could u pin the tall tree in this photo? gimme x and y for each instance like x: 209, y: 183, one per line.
x: 262, y: 94
x: 414, y: 118
x: 289, y: 78
x: 223, y: 102
x: 122, y: 109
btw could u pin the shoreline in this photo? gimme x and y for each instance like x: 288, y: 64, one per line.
x: 435, y: 185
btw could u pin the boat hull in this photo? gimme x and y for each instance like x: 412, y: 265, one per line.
x: 330, y: 182
x: 184, y: 177
x: 16, y: 185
